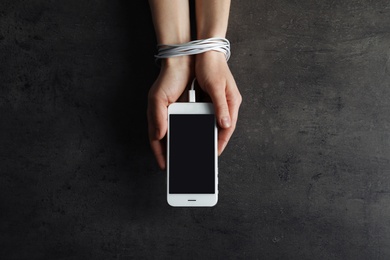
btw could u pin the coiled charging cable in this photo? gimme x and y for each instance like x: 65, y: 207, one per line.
x: 193, y: 48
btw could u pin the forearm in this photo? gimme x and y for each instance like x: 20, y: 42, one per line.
x: 171, y: 21
x: 212, y: 18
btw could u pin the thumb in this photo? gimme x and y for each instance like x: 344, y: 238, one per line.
x: 218, y: 96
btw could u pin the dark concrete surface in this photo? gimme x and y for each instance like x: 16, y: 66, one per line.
x: 306, y: 175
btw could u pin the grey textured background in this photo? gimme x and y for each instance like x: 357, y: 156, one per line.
x: 305, y: 176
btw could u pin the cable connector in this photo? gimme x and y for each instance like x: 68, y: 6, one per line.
x: 191, y: 93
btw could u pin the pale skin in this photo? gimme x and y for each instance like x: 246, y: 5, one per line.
x: 172, y: 25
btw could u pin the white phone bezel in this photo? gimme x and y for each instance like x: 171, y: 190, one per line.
x: 193, y: 200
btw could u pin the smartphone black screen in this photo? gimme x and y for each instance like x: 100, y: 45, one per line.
x: 191, y: 159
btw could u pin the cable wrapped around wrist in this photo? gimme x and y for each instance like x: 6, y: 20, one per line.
x: 194, y: 47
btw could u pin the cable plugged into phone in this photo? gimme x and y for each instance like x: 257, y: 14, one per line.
x: 191, y: 92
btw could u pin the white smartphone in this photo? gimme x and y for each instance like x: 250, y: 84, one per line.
x: 192, y: 155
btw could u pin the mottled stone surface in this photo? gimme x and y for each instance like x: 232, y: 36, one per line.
x: 306, y: 175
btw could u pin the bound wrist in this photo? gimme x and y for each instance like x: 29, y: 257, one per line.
x: 210, y: 57
x: 181, y: 62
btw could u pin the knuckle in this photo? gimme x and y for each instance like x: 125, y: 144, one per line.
x: 239, y: 99
x: 223, y: 109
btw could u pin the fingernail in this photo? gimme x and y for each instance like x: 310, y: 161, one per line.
x: 225, y: 122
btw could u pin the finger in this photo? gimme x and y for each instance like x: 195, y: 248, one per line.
x: 223, y: 138
x: 157, y: 127
x: 234, y: 100
x: 157, y: 118
x: 157, y: 145
x: 218, y: 96
x: 159, y: 151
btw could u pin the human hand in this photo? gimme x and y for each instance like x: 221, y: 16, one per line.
x: 172, y: 81
x: 215, y: 78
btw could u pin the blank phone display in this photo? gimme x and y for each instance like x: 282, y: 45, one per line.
x: 192, y: 151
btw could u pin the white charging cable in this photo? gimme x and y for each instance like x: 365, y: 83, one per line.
x: 194, y: 47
